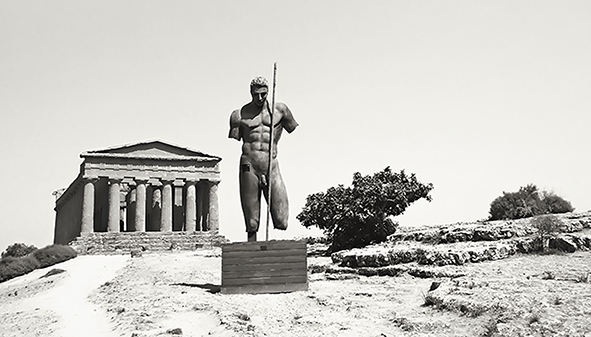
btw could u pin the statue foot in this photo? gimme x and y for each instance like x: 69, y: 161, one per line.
x: 252, y: 236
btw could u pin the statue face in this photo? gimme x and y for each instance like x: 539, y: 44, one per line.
x: 259, y: 95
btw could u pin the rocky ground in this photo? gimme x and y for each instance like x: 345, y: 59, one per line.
x: 177, y: 293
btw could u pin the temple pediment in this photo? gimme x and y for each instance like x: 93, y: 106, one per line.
x: 151, y: 150
x: 150, y: 160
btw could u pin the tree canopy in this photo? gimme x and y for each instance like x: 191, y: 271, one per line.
x: 358, y: 215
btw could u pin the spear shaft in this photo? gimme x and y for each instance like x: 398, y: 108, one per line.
x: 270, y: 168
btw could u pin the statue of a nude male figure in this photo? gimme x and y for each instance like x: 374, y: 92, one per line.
x: 252, y: 125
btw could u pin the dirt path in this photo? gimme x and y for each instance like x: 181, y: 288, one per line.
x: 58, y: 305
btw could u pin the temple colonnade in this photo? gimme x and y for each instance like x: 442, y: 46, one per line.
x: 193, y: 205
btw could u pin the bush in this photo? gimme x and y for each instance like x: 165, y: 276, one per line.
x: 18, y: 250
x: 527, y: 202
x: 11, y: 267
x: 547, y: 226
x: 357, y: 216
x: 53, y: 254
x: 555, y: 204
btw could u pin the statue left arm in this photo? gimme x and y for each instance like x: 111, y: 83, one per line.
x: 287, y: 121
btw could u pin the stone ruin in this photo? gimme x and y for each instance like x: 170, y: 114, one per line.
x: 148, y: 195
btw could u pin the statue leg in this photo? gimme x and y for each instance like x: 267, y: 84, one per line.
x: 250, y: 198
x: 279, y: 200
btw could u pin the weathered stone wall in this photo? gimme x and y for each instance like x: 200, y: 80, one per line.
x: 125, y: 242
x: 68, y: 214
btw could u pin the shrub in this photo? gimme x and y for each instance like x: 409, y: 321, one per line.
x: 431, y: 300
x: 555, y: 204
x: 11, y: 267
x: 358, y: 215
x: 53, y: 254
x: 527, y: 202
x: 18, y: 250
x: 547, y: 226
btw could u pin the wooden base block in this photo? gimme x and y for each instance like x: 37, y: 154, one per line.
x: 264, y: 267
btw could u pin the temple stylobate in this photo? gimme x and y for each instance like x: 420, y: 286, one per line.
x: 141, y: 187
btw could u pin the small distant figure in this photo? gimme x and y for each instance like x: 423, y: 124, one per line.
x: 252, y: 125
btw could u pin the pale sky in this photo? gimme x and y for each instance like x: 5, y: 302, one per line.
x: 476, y: 97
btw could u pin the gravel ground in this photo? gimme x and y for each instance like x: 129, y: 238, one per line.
x: 175, y: 293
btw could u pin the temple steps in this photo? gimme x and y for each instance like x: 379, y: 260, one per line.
x: 106, y: 243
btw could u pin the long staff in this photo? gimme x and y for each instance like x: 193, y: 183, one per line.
x: 269, y: 179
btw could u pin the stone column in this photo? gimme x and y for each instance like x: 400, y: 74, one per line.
x: 140, y: 206
x: 166, y: 218
x: 191, y: 207
x: 213, y: 223
x: 114, y: 204
x: 87, y: 225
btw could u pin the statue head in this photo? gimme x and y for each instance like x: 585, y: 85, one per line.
x: 259, y: 89
x: 259, y: 82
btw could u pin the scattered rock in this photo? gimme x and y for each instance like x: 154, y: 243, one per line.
x: 52, y: 272
x: 136, y: 253
x: 175, y: 331
x: 434, y: 285
x: 340, y: 277
x: 314, y: 268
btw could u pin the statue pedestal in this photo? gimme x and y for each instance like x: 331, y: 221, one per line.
x: 264, y: 267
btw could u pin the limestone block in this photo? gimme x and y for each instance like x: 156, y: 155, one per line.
x: 563, y: 243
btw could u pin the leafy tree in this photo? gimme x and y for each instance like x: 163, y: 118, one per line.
x: 527, y: 202
x: 18, y: 250
x: 358, y: 215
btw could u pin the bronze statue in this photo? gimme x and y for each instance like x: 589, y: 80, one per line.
x: 252, y: 125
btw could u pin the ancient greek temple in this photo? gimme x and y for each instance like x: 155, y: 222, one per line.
x: 141, y: 187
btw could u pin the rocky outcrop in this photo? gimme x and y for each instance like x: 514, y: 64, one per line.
x: 126, y: 242
x: 452, y: 254
x: 570, y: 242
x: 487, y: 230
x: 441, y: 251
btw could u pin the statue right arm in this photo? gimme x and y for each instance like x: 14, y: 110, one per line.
x: 235, y: 125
